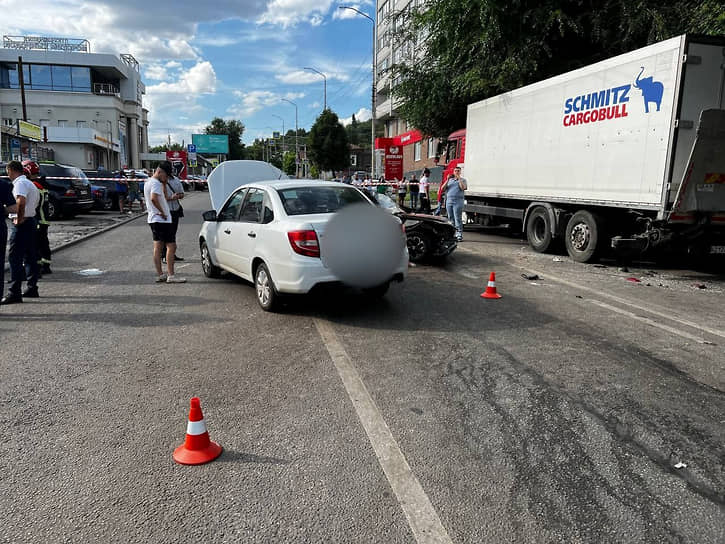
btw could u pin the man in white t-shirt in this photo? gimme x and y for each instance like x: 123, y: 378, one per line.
x: 159, y: 219
x: 23, y: 250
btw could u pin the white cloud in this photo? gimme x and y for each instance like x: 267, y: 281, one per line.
x: 292, y: 12
x: 199, y: 79
x: 254, y: 101
x: 305, y: 77
x: 362, y: 115
x: 315, y: 105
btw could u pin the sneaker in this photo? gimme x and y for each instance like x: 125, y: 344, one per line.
x: 162, y: 278
x: 177, y: 258
x: 175, y: 279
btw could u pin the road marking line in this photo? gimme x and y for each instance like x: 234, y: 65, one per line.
x: 422, y: 517
x: 182, y: 266
x: 686, y: 322
x: 648, y: 321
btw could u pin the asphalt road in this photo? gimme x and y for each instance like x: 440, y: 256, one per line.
x: 558, y: 413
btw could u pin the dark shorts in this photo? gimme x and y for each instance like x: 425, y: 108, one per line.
x: 163, y: 232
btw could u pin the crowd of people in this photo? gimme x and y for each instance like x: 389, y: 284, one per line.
x: 24, y: 200
x: 450, y: 197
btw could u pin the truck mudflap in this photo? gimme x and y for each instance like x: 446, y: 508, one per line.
x: 702, y: 191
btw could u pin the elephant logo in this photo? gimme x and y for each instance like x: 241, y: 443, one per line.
x: 651, y: 90
x: 394, y: 150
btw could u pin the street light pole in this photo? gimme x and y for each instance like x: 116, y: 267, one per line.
x: 372, y: 119
x: 297, y: 143
x: 324, y: 77
x: 281, y: 119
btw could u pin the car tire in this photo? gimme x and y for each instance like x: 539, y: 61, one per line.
x: 538, y: 230
x: 378, y: 291
x: 53, y: 209
x: 264, y: 289
x: 584, y: 236
x: 418, y: 246
x: 207, y: 265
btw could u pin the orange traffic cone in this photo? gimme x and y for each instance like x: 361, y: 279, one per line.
x: 491, y: 288
x: 197, y: 449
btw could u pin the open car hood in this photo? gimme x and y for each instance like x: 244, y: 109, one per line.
x: 229, y: 175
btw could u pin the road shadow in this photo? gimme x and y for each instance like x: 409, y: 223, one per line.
x: 231, y: 456
x: 120, y: 319
x: 165, y: 300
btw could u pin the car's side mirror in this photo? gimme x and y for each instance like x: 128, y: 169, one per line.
x: 209, y: 216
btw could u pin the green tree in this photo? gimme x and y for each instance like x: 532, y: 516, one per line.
x: 175, y: 146
x: 327, y: 143
x: 288, y: 163
x: 234, y: 129
x: 475, y: 49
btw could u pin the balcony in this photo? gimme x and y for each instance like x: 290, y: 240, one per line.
x: 106, y: 89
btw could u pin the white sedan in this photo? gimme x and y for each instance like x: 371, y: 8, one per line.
x: 269, y: 232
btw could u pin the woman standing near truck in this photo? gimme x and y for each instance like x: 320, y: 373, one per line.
x: 455, y: 194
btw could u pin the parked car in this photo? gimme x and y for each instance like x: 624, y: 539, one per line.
x: 269, y: 232
x: 108, y: 184
x: 427, y: 236
x: 199, y: 183
x: 101, y: 200
x: 69, y: 191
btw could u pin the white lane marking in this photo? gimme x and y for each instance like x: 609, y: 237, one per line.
x: 649, y: 321
x: 182, y: 266
x: 422, y: 517
x: 663, y: 315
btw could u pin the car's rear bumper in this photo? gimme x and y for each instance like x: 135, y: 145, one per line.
x: 305, y: 274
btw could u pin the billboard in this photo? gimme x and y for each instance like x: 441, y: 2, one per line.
x: 29, y: 130
x: 178, y: 162
x: 211, y: 143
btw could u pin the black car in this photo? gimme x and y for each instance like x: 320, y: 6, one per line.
x: 428, y: 236
x: 69, y: 191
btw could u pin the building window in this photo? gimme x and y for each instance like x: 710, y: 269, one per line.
x: 416, y: 151
x: 8, y: 122
x: 43, y: 77
x: 81, y: 77
x: 62, y: 123
x: 353, y: 160
x: 61, y: 78
x: 81, y: 124
x: 40, y: 77
x: 431, y: 148
x: 383, y: 11
x: 44, y: 123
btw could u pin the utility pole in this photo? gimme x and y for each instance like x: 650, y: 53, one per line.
x: 372, y: 118
x: 324, y: 77
x: 297, y: 142
x: 21, y: 81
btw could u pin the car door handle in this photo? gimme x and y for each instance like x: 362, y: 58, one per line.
x: 228, y: 231
x: 251, y: 235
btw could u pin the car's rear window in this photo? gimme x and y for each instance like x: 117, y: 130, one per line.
x: 312, y: 200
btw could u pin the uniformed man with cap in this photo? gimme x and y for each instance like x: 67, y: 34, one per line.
x: 32, y: 172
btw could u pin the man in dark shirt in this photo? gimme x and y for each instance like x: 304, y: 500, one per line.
x: 7, y: 205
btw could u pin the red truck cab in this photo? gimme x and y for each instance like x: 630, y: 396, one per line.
x: 454, y: 154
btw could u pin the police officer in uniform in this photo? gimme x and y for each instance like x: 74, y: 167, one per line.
x: 32, y: 172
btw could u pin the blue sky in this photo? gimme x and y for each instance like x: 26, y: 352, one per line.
x: 229, y: 58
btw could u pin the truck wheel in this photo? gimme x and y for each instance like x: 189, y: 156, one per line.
x: 584, y: 236
x: 538, y: 230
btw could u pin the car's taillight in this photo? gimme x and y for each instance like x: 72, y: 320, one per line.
x: 70, y: 192
x: 304, y: 242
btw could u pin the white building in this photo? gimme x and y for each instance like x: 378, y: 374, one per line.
x: 391, y: 17
x: 90, y: 105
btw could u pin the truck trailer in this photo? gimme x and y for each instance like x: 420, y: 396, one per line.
x: 625, y: 154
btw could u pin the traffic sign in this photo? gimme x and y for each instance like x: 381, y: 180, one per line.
x: 191, y: 148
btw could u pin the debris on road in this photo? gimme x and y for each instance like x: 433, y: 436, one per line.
x: 600, y: 266
x: 634, y: 280
x: 530, y: 277
x: 623, y: 269
x: 579, y: 296
x: 699, y: 285
x: 680, y: 465
x: 558, y: 260
x: 90, y: 272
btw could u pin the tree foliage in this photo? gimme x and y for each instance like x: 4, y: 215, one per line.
x: 175, y: 146
x: 327, y: 143
x: 468, y: 50
x: 288, y: 163
x: 234, y: 129
x: 358, y: 133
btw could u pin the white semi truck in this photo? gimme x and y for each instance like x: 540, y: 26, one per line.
x: 627, y: 153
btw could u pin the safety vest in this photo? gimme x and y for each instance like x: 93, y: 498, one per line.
x: 41, y: 211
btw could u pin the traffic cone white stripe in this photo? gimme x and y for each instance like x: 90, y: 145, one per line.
x: 195, y: 428
x: 492, y: 284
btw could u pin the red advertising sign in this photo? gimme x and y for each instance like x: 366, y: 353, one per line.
x: 393, y: 161
x: 178, y: 162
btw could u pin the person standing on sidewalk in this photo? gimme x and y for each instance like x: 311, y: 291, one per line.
x: 424, y: 188
x: 414, y: 192
x: 402, y: 191
x: 174, y: 193
x: 455, y: 194
x: 134, y: 193
x: 32, y: 172
x: 159, y: 219
x: 22, y: 237
x: 121, y: 190
x: 7, y: 205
